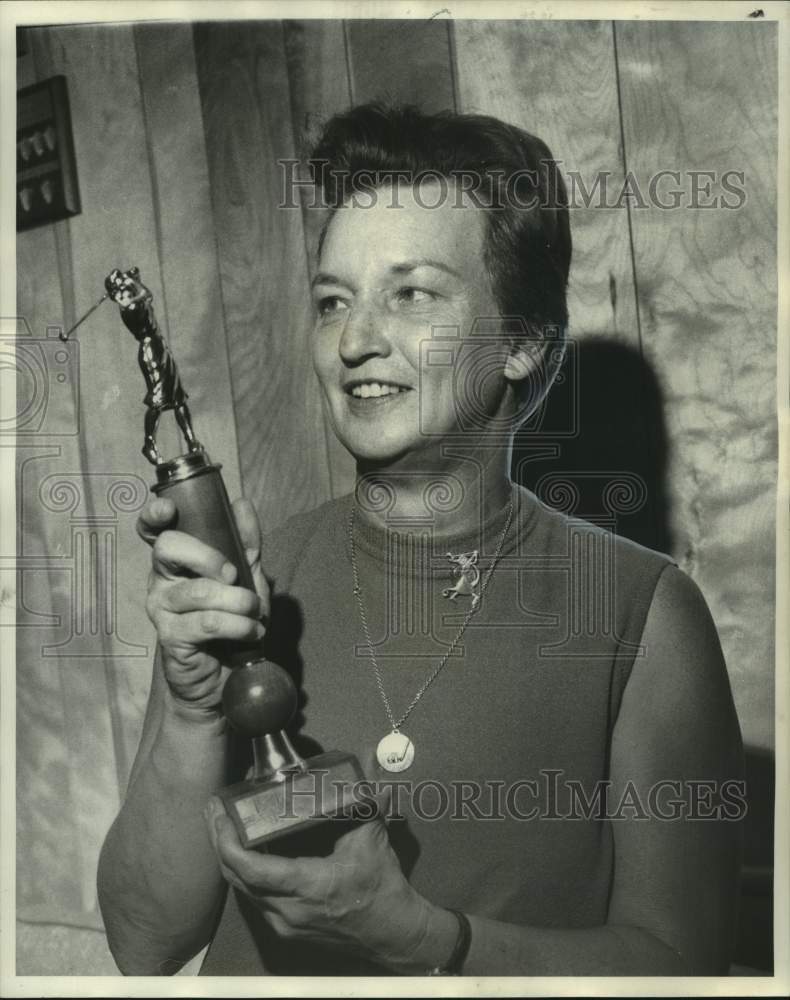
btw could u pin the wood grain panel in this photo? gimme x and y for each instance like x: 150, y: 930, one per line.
x: 263, y: 266
x: 707, y: 292
x: 186, y: 239
x: 558, y: 80
x: 402, y: 62
x: 318, y: 76
x: 46, y: 834
x: 104, y: 665
x: 319, y: 87
x: 190, y: 308
x: 513, y: 70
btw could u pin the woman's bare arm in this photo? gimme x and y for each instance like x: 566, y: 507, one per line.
x: 673, y: 899
x: 160, y: 887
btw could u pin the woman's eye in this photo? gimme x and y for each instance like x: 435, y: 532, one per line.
x: 330, y: 304
x: 414, y: 296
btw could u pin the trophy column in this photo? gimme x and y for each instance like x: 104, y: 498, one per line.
x: 196, y: 487
x: 283, y: 791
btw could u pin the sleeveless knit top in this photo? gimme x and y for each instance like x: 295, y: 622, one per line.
x: 512, y: 736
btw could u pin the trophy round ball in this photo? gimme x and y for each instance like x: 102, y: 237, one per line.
x: 259, y: 698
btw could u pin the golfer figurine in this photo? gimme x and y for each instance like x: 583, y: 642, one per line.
x: 157, y: 364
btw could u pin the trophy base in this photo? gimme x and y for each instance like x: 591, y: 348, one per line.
x: 264, y: 809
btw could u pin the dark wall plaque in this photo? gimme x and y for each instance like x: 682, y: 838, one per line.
x: 46, y: 171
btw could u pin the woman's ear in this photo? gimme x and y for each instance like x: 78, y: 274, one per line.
x: 525, y: 359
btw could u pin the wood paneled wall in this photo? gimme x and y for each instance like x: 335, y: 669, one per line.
x: 178, y: 129
x: 707, y: 295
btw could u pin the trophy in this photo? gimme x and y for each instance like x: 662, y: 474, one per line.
x: 283, y: 792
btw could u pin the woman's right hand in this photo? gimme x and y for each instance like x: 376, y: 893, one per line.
x: 192, y: 602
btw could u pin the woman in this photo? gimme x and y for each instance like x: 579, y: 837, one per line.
x: 542, y: 707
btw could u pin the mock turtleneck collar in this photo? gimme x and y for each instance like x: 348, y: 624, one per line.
x: 407, y: 545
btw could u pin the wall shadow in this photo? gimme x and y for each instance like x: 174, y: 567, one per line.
x: 754, y: 938
x: 604, y: 421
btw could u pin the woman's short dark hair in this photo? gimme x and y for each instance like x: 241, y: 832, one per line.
x: 512, y: 174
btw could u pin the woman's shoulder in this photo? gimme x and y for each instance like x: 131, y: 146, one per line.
x: 551, y: 528
x: 596, y: 559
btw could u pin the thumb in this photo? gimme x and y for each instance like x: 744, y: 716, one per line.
x: 369, y: 834
x: 247, y: 521
x: 375, y: 809
x: 250, y: 534
x: 382, y: 796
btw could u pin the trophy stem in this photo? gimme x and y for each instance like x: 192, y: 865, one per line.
x: 195, y: 486
x: 274, y: 757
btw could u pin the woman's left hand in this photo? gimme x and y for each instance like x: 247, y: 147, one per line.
x: 355, y: 898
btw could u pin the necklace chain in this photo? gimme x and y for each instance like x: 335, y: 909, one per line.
x: 396, y: 724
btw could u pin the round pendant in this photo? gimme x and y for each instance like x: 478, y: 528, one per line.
x: 395, y: 752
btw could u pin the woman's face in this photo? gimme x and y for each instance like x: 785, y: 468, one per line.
x: 397, y: 295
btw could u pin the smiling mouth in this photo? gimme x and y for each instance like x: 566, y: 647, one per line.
x: 375, y: 390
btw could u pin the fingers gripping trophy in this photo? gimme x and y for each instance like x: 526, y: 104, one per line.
x: 283, y: 792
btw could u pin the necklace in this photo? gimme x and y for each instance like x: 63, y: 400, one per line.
x: 395, y: 751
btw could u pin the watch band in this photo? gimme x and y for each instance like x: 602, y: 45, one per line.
x: 454, y: 965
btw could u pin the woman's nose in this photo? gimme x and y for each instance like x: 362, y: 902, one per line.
x: 364, y: 336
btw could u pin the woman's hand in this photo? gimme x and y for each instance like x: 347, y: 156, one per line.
x: 192, y: 602
x: 356, y: 898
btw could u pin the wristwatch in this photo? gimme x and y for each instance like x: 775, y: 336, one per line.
x: 454, y: 965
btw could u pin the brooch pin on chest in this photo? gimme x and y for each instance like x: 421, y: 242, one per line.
x: 468, y: 582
